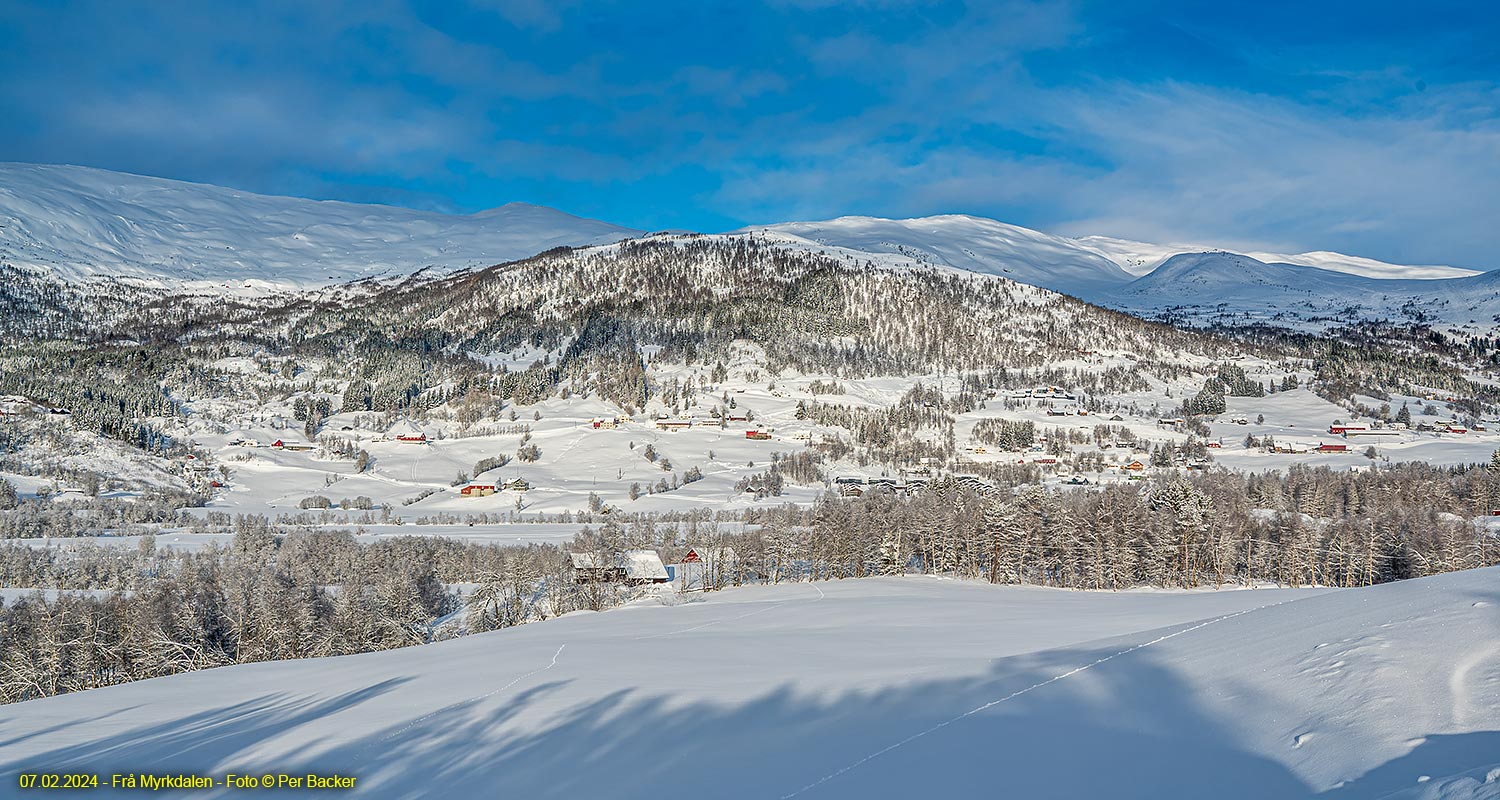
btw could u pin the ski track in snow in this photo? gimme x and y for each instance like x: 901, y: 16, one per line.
x: 712, y: 623
x: 991, y: 704
x: 460, y: 704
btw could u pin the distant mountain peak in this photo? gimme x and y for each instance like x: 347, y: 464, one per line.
x: 83, y: 223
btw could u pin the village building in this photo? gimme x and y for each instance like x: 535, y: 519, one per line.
x: 633, y: 567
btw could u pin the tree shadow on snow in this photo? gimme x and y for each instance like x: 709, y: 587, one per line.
x: 1127, y: 728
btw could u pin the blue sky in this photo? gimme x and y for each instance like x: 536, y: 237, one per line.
x: 1371, y: 128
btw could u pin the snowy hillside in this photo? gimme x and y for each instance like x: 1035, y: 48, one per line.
x: 971, y: 243
x: 869, y: 688
x: 80, y: 223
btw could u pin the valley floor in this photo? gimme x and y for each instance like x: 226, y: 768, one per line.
x: 868, y: 688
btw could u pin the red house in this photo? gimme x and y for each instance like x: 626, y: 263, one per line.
x: 758, y: 435
x: 1337, y: 429
x: 420, y: 438
x: 1333, y: 448
x: 477, y: 490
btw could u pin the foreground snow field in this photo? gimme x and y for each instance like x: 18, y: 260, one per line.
x: 871, y: 688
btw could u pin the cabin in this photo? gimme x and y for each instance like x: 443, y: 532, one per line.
x: 589, y: 568
x: 1135, y: 466
x: 477, y: 490
x: 1170, y: 421
x: 517, y: 485
x: 737, y: 418
x: 673, y: 424
x: 633, y: 567
x: 757, y: 435
x: 1213, y: 445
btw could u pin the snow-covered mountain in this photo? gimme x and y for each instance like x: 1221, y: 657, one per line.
x: 971, y: 243
x: 1141, y: 258
x: 80, y: 223
x: 77, y: 224
x: 881, y: 687
x: 1226, y: 285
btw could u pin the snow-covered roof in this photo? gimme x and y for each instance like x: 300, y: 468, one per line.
x: 584, y: 560
x: 644, y: 565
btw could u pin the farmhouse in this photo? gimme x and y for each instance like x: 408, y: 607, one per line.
x: 418, y: 438
x: 1135, y: 466
x: 1333, y: 448
x: 517, y: 485
x: 673, y: 424
x: 477, y: 490
x: 633, y: 567
x: 1340, y: 429
x: 757, y: 435
x: 1373, y: 434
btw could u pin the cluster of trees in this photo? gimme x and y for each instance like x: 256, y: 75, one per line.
x: 301, y: 593
x: 270, y: 595
x: 1312, y: 526
x: 1005, y: 434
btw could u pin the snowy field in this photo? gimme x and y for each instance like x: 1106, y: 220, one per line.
x: 903, y: 687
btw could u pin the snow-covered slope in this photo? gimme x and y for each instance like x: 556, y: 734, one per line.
x: 81, y: 223
x: 900, y: 687
x: 971, y: 243
x: 1140, y: 258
